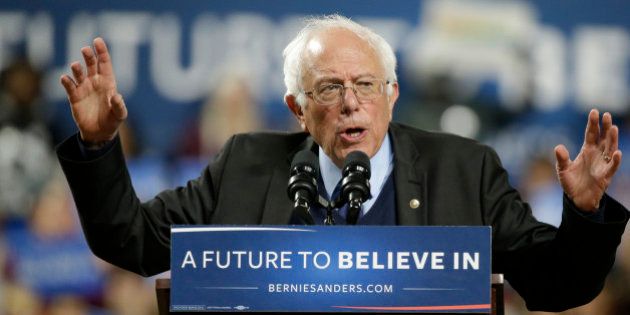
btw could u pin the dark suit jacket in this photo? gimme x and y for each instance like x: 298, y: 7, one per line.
x: 458, y: 182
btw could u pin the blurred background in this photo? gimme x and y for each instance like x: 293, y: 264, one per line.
x: 517, y: 75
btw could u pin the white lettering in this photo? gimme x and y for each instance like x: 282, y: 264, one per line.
x: 326, y: 260
x: 549, y: 63
x: 455, y: 261
x: 271, y: 258
x: 239, y: 254
x: 207, y: 257
x: 260, y: 260
x: 175, y: 81
x: 471, y: 261
x: 125, y: 32
x: 601, y: 67
x: 402, y: 260
x: 419, y: 262
x: 11, y: 32
x: 305, y: 258
x: 375, y: 264
x: 39, y: 39
x: 285, y: 260
x: 345, y: 260
x: 437, y: 260
x: 362, y: 260
x: 189, y: 260
x: 227, y: 260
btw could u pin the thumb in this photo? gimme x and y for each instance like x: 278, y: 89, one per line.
x: 562, y: 157
x: 118, y: 107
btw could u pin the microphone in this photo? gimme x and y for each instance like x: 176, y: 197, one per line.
x: 355, y: 183
x: 302, y: 187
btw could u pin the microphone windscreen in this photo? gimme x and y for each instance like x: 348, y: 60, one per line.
x: 358, y: 161
x: 304, y: 160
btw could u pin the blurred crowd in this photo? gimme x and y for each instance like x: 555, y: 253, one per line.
x: 46, y: 266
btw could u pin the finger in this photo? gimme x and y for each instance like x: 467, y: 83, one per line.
x: 606, y: 124
x: 562, y: 157
x: 591, y: 134
x: 604, y: 136
x: 612, y: 139
x: 102, y: 55
x: 118, y: 107
x: 77, y: 72
x: 90, y: 60
x: 68, y: 85
x: 615, y: 162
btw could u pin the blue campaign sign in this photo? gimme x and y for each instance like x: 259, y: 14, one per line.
x: 331, y: 269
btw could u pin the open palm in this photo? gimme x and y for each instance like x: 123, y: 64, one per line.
x: 586, y: 178
x: 97, y: 108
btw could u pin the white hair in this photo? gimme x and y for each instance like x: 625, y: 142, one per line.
x: 294, y: 52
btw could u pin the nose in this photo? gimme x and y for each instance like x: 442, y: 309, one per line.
x: 350, y: 102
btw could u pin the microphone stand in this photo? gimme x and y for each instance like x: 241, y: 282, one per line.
x: 302, y: 209
x: 329, y: 207
x: 354, y: 207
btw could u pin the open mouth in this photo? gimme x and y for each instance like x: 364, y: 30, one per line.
x: 353, y: 134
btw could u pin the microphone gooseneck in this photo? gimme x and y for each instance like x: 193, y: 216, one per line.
x: 355, y: 183
x: 302, y: 188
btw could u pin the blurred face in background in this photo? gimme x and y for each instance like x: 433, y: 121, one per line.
x: 52, y: 215
x: 338, y: 56
x: 22, y: 83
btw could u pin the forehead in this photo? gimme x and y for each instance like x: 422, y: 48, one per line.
x: 339, y: 53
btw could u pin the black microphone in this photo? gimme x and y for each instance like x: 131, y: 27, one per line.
x: 302, y: 187
x: 355, y: 183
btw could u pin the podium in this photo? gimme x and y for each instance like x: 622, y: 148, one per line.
x: 163, y: 291
x: 318, y: 269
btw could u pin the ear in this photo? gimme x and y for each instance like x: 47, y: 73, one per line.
x: 392, y: 97
x: 296, y: 109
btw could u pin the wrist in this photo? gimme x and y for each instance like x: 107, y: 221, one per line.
x: 586, y: 206
x: 94, y: 145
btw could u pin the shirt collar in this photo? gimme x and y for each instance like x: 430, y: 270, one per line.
x: 381, y: 166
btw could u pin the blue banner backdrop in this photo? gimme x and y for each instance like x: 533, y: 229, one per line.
x: 170, y: 56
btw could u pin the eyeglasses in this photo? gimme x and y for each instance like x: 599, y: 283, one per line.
x: 365, y: 90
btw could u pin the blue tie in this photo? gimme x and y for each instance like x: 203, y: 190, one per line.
x: 343, y: 210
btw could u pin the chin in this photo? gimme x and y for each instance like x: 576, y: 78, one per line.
x: 363, y: 149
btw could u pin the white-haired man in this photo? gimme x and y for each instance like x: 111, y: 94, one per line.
x: 342, y: 88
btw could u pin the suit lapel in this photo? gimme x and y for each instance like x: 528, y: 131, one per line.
x: 410, y: 180
x: 278, y: 206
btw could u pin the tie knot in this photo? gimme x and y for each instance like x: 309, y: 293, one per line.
x: 336, y: 192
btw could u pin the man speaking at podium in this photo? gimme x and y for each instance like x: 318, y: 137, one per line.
x: 342, y: 87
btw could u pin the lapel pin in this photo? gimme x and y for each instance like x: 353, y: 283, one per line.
x: 414, y: 203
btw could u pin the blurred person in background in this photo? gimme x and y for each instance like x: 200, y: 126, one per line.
x: 21, y: 301
x: 25, y: 148
x: 127, y: 293
x: 230, y: 109
x: 68, y: 305
x: 3, y: 259
x: 623, y: 276
x: 342, y: 87
x: 48, y: 261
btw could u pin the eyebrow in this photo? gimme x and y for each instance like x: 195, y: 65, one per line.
x: 334, y: 79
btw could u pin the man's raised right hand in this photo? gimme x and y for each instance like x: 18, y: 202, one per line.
x: 97, y: 107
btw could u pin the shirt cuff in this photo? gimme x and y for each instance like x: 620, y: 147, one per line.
x: 89, y: 153
x: 598, y: 216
